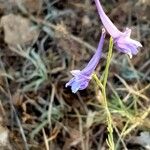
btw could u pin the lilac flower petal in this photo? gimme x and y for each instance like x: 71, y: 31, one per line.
x: 125, y: 49
x: 135, y: 43
x: 75, y: 72
x: 69, y: 83
x: 78, y: 73
x: 127, y: 45
x: 127, y: 32
x: 84, y: 85
x: 75, y: 87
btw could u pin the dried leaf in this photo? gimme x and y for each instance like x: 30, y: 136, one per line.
x: 90, y: 119
x: 3, y: 136
x: 17, y: 99
x: 143, y: 9
x: 31, y: 5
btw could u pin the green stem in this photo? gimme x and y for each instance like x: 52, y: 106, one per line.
x: 110, y: 140
x: 108, y: 62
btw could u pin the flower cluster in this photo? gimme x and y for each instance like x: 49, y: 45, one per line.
x: 122, y: 41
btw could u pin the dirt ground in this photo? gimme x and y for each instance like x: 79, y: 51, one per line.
x: 40, y: 42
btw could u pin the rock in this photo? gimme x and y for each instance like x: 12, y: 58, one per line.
x: 18, y: 30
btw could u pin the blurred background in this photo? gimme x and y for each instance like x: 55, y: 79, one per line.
x: 40, y: 42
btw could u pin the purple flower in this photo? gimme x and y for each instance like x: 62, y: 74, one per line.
x: 122, y: 40
x: 81, y: 78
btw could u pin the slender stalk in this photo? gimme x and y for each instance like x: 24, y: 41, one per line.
x: 108, y: 62
x: 110, y: 140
